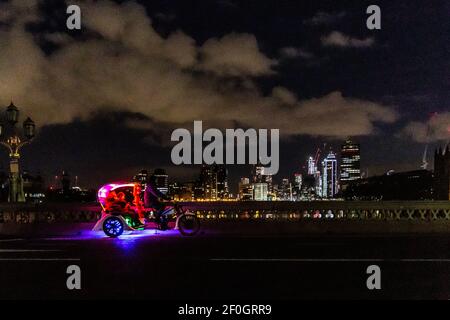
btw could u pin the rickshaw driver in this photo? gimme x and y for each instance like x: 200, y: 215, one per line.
x: 156, y: 200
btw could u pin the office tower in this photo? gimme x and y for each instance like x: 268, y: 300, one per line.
x: 260, y: 191
x: 268, y: 179
x: 350, y: 163
x: 258, y: 173
x: 311, y: 166
x: 142, y: 177
x: 297, y: 187
x: 442, y: 174
x: 244, y: 181
x: 298, y: 179
x: 208, y: 181
x: 161, y: 180
x: 214, y: 182
x: 258, y: 176
x: 318, y: 184
x: 286, y: 190
x: 65, y: 182
x: 222, y: 181
x: 245, y: 189
x: 329, y: 176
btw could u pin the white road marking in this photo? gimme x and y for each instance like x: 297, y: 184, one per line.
x: 323, y: 260
x: 40, y: 259
x: 26, y: 250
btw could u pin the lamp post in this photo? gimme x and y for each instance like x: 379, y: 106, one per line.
x: 11, y: 138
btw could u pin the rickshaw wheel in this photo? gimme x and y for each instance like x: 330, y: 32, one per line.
x: 113, y: 227
x: 188, y: 225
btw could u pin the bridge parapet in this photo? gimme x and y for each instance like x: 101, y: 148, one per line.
x: 248, y: 210
x: 345, y: 210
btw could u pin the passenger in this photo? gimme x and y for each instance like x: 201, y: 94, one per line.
x: 110, y: 201
x: 138, y: 202
x: 125, y: 207
x: 122, y: 203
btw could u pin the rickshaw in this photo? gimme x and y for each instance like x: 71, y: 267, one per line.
x: 134, y: 217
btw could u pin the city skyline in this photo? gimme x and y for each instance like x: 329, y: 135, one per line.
x: 327, y: 78
x: 344, y: 160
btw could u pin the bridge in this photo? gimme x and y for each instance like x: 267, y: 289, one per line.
x: 246, y: 210
x: 252, y: 217
x: 260, y: 250
x: 378, y: 210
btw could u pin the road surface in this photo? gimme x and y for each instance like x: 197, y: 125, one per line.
x: 167, y: 265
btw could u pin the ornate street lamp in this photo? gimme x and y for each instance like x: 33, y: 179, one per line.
x: 11, y: 139
x: 12, y: 114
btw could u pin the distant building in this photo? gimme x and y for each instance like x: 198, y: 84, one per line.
x: 181, y: 191
x: 310, y: 185
x: 222, y: 181
x: 260, y: 191
x: 245, y: 189
x: 298, y: 179
x: 311, y: 166
x: 161, y: 180
x: 33, y: 187
x: 286, y: 190
x: 318, y: 184
x: 411, y: 185
x: 65, y: 181
x: 350, y: 163
x: 297, y: 187
x: 272, y: 189
x: 259, y: 176
x: 308, y: 190
x: 142, y: 178
x: 258, y: 173
x: 442, y: 174
x: 174, y: 190
x: 329, y: 176
x: 208, y: 181
x: 65, y: 193
x: 213, y: 182
x: 244, y: 181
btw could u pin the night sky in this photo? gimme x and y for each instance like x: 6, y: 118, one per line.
x: 107, y: 97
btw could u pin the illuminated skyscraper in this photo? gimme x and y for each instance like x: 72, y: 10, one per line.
x: 208, y: 181
x: 298, y: 181
x: 286, y: 190
x: 259, y: 176
x: 258, y: 173
x: 245, y: 189
x: 260, y: 191
x: 213, y: 179
x: 329, y: 176
x: 311, y: 166
x: 161, y: 180
x: 222, y: 181
x: 142, y: 177
x: 318, y: 184
x: 350, y: 163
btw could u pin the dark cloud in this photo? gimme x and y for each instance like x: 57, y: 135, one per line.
x: 128, y: 66
x: 107, y: 98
